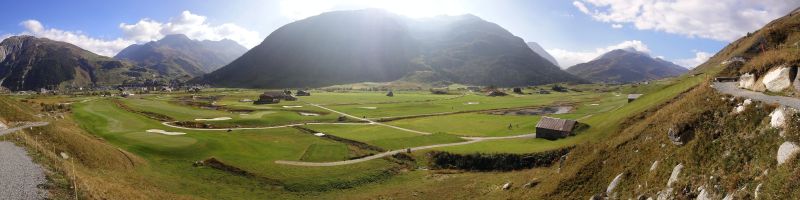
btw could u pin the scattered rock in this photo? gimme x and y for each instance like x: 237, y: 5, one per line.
x: 787, y: 151
x: 674, y: 176
x: 665, y: 194
x: 679, y: 135
x: 777, y: 79
x: 614, y: 183
x: 758, y: 189
x: 703, y: 194
x: 654, y: 166
x: 747, y: 81
x: 64, y: 155
x: 532, y: 183
x: 507, y: 186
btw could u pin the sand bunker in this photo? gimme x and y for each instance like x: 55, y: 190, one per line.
x: 370, y: 108
x: 292, y: 106
x: 215, y: 119
x: 164, y: 132
x: 472, y: 103
x: 594, y: 104
x: 308, y: 114
x: 319, y: 134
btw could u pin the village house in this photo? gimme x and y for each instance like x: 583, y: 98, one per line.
x: 554, y: 128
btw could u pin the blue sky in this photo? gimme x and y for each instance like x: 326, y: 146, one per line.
x: 682, y: 31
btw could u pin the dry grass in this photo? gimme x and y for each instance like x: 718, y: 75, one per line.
x: 98, y: 169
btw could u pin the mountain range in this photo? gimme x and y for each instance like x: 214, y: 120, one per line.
x: 30, y: 63
x: 626, y: 66
x: 541, y: 52
x: 377, y: 46
x: 177, y: 55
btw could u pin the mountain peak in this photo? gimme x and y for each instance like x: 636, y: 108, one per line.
x: 541, y: 52
x: 175, y: 37
x: 624, y: 66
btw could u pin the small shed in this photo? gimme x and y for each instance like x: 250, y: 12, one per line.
x: 302, y: 93
x: 632, y: 97
x: 518, y: 90
x: 554, y: 128
x: 269, y: 98
x: 390, y: 94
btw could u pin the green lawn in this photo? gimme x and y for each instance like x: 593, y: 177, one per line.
x: 384, y: 137
x: 470, y: 102
x: 171, y: 157
x: 325, y: 153
x: 473, y: 124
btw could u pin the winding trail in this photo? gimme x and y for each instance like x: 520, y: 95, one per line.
x: 732, y: 89
x: 20, y: 177
x: 470, y: 140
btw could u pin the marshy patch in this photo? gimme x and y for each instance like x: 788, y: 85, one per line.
x: 533, y: 111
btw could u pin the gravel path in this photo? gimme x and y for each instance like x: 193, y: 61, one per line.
x: 19, y: 176
x: 24, y: 126
x: 732, y: 89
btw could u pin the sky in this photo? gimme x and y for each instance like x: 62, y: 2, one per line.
x: 686, y: 32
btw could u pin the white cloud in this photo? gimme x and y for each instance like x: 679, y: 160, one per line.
x: 723, y: 20
x: 145, y: 30
x: 569, y: 58
x: 300, y: 9
x: 192, y: 25
x: 616, y: 26
x: 99, y: 46
x: 699, y: 58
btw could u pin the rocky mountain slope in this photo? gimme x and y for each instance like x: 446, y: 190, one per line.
x: 702, y: 144
x: 541, y: 52
x: 626, y: 66
x: 30, y: 63
x: 376, y: 46
x: 177, y: 55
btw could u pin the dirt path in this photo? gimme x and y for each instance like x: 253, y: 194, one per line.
x: 371, y: 121
x: 470, y: 140
x: 732, y: 89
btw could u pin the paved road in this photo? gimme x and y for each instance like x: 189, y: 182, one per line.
x: 470, y: 140
x: 24, y: 126
x: 732, y: 89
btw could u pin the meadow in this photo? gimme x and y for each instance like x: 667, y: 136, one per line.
x: 256, y: 136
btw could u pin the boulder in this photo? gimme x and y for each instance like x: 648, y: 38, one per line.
x: 614, y: 183
x: 747, y: 81
x: 703, y: 194
x: 665, y: 194
x: 778, y: 79
x: 779, y: 116
x: 674, y: 176
x: 532, y: 183
x: 3, y: 126
x: 787, y: 151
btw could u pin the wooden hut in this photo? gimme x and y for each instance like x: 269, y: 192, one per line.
x: 390, y: 94
x: 554, y: 128
x: 269, y: 98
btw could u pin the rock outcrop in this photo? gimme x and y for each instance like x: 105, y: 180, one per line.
x: 778, y: 79
x: 779, y: 116
x: 787, y: 151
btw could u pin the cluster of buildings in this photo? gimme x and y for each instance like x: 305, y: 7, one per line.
x: 271, y: 97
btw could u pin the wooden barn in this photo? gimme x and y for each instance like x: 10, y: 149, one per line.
x: 554, y: 128
x: 270, y: 98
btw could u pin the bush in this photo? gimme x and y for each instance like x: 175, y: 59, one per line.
x: 494, y: 162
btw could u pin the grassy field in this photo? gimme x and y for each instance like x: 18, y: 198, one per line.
x: 169, y: 158
x: 384, y: 137
x: 251, y: 150
x: 470, y: 102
